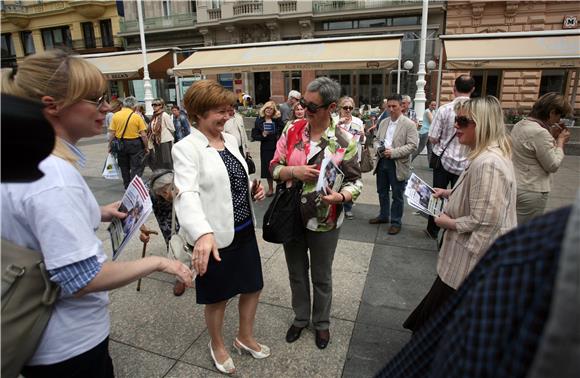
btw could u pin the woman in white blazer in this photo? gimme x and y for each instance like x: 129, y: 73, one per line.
x: 214, y: 209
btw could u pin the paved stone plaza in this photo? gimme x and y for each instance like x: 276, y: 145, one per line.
x: 378, y: 280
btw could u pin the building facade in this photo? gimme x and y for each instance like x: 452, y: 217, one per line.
x: 80, y: 26
x: 187, y: 24
x: 518, y: 85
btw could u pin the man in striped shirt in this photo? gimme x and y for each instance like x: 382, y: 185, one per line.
x: 445, y: 144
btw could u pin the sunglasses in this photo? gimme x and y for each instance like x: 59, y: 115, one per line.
x: 156, y: 104
x: 347, y: 108
x: 98, y: 102
x: 312, y: 108
x: 463, y: 121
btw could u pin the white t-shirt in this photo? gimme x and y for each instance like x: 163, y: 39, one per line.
x: 390, y: 132
x: 58, y: 215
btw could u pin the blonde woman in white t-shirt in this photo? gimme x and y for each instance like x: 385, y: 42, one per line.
x: 58, y: 215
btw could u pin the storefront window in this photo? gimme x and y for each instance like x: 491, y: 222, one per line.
x: 487, y: 83
x: 292, y: 81
x: 553, y: 81
x: 227, y: 81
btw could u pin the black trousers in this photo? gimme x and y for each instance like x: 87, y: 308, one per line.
x: 441, y: 179
x: 131, y: 160
x: 437, y: 296
x: 94, y: 363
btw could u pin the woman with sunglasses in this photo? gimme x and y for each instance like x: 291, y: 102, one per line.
x: 58, y: 215
x: 299, y: 154
x: 481, y: 205
x: 354, y: 126
x: 161, y: 135
x: 267, y: 130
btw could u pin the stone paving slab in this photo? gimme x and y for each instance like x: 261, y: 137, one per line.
x: 378, y: 280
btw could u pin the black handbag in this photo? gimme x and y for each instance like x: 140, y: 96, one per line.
x: 283, y: 220
x: 117, y: 144
x: 251, y: 165
x: 435, y: 161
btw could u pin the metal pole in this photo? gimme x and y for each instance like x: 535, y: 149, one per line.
x: 177, y: 86
x: 439, y: 73
x: 399, y: 68
x: 420, y: 94
x: 146, y: 78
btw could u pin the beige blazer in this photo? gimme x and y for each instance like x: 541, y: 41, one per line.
x: 405, y: 142
x: 483, y: 204
x: 535, y: 156
x: 235, y: 126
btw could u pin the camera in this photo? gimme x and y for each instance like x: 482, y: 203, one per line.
x: 381, y: 149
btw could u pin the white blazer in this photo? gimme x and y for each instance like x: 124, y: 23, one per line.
x: 204, y: 202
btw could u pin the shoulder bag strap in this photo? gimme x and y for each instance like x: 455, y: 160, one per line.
x: 126, y: 123
x: 448, y: 143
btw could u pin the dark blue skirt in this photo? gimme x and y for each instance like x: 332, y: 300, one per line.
x: 239, y: 272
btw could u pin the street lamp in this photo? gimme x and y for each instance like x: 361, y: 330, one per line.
x: 420, y: 94
x: 146, y: 79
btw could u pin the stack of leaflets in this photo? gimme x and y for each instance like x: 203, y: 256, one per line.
x: 137, y: 205
x: 420, y: 196
x: 330, y: 177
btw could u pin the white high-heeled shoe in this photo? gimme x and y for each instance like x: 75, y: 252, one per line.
x: 262, y: 353
x: 227, y: 367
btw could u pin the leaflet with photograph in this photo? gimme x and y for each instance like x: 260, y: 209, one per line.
x: 420, y: 196
x: 137, y: 205
x: 330, y: 176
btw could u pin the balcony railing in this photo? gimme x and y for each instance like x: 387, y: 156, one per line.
x: 214, y: 14
x: 287, y: 6
x: 248, y: 8
x: 158, y: 23
x: 33, y: 8
x: 337, y: 5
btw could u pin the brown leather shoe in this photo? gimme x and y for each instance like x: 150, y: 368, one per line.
x: 322, y: 338
x: 378, y: 220
x: 178, y: 288
x: 394, y: 230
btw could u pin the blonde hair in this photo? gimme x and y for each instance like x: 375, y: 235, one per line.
x: 205, y: 95
x: 343, y: 100
x: 54, y: 73
x: 270, y: 104
x: 490, y: 130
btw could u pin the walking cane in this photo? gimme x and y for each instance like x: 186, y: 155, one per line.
x: 147, y: 233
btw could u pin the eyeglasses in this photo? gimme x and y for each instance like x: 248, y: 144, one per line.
x: 463, y: 121
x: 310, y: 107
x: 156, y: 104
x: 99, y: 102
x: 347, y: 108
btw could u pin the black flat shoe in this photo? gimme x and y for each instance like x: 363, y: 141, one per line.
x: 322, y: 338
x: 293, y: 333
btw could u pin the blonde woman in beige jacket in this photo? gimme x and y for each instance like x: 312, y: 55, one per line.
x: 482, y: 204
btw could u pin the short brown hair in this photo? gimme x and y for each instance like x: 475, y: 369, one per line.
x: 548, y: 102
x: 205, y: 95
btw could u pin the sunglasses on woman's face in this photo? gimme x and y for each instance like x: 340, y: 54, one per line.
x: 98, y: 102
x: 156, y: 104
x: 347, y: 108
x: 311, y: 107
x: 463, y: 121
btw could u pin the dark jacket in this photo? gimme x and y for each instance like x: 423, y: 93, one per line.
x: 268, y: 142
